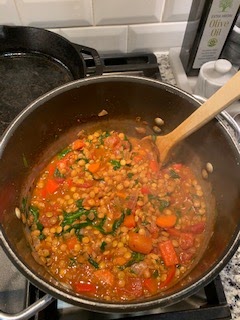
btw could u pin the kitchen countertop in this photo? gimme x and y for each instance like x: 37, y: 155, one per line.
x: 230, y: 275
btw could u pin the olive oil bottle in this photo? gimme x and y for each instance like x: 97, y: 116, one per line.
x: 209, y: 24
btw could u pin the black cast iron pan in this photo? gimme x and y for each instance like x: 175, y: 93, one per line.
x: 20, y: 41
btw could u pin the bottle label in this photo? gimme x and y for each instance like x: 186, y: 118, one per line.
x: 217, y: 27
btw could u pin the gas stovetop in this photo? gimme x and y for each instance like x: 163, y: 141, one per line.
x: 22, y: 81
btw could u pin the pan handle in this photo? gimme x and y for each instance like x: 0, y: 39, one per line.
x: 97, y: 69
x: 29, y: 311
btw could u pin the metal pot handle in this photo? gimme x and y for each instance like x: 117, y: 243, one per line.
x: 226, y: 116
x: 29, y: 311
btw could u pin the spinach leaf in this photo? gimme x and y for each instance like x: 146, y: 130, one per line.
x: 35, y: 212
x: 116, y: 164
x: 103, y: 245
x: 58, y: 174
x: 93, y: 262
x: 103, y: 136
x: 63, y: 153
x: 173, y: 174
x: 135, y: 258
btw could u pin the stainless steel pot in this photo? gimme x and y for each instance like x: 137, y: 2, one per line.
x: 47, y: 122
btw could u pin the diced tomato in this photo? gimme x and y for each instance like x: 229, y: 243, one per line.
x: 71, y: 242
x: 170, y: 276
x: 78, y: 144
x: 86, y: 184
x: 82, y: 287
x: 196, y: 228
x: 112, y: 141
x: 50, y: 187
x: 106, y: 277
x: 186, y: 241
x: 168, y: 253
x: 154, y: 166
x: 134, y: 285
x: 145, y: 190
x: 177, y: 166
x: 151, y: 285
x: 185, y: 257
x: 174, y: 232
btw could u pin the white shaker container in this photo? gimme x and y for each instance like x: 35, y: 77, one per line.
x: 212, y: 76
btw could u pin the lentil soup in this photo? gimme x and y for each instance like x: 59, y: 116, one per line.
x: 110, y: 223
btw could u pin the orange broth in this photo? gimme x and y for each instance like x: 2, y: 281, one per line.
x: 108, y: 221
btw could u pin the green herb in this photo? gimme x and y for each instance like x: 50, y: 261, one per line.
x: 116, y: 164
x: 24, y: 204
x: 58, y: 174
x: 103, y: 136
x: 130, y: 175
x: 63, y: 153
x: 130, y: 145
x: 72, y: 262
x: 79, y: 203
x: 135, y: 258
x: 117, y: 223
x: 103, y: 245
x: 35, y: 212
x: 25, y: 163
x: 163, y: 204
x: 155, y: 274
x: 93, y: 262
x: 127, y: 211
x: 173, y: 174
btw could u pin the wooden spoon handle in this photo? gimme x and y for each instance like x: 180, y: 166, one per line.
x: 207, y: 111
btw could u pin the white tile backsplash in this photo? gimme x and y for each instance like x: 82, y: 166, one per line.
x: 155, y: 37
x: 55, y: 13
x: 8, y: 13
x: 106, y: 25
x: 176, y: 10
x: 111, y: 12
x: 103, y: 39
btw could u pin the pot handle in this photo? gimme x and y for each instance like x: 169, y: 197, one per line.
x: 29, y: 311
x: 97, y: 69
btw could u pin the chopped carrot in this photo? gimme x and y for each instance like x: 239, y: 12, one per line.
x: 154, y: 166
x: 140, y: 243
x: 94, y: 167
x: 51, y: 186
x: 151, y: 285
x: 122, y: 195
x: 78, y: 144
x: 84, y: 287
x: 105, y: 277
x: 71, y: 242
x: 165, y: 221
x: 129, y: 221
x: 170, y: 276
x: 168, y: 253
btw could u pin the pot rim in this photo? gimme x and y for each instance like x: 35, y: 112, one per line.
x: 87, y: 303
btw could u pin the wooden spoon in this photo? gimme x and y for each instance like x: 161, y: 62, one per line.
x: 207, y: 111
